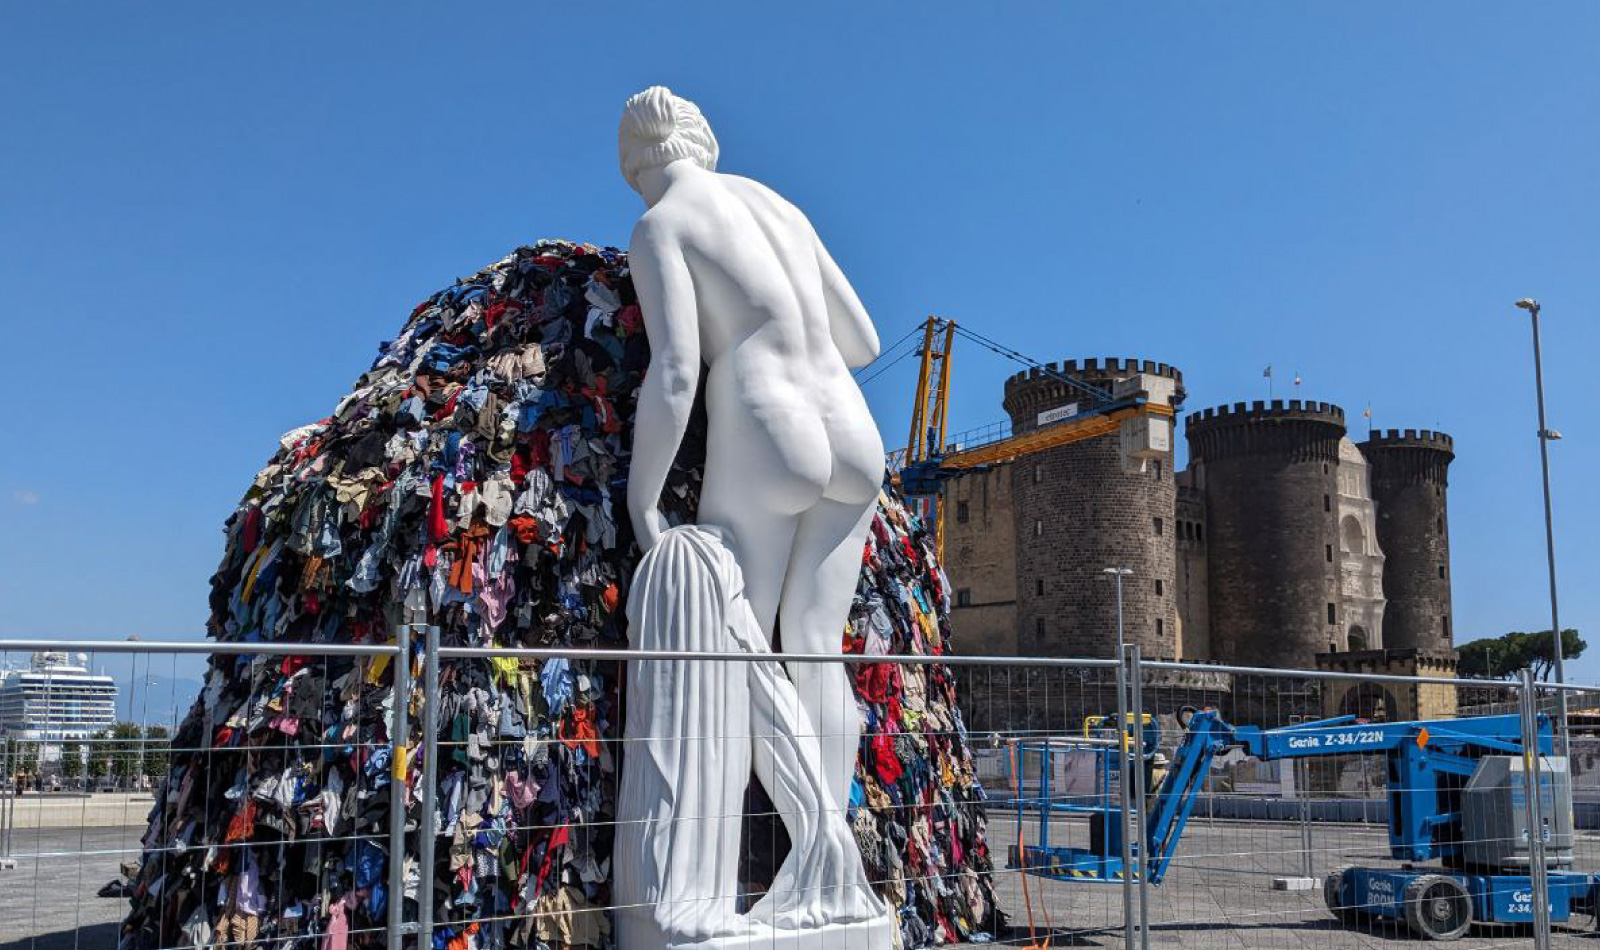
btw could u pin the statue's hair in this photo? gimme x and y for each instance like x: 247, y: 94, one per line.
x: 659, y: 128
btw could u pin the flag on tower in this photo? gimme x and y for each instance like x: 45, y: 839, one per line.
x: 1268, y: 371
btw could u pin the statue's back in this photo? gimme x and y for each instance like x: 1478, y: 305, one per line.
x: 753, y: 258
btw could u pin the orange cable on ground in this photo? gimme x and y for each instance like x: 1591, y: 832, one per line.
x: 1022, y: 858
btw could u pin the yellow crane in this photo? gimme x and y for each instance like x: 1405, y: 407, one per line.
x: 927, y: 461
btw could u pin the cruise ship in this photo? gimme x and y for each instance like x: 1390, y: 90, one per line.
x: 56, y: 699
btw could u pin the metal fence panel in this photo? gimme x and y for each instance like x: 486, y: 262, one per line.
x: 1059, y: 778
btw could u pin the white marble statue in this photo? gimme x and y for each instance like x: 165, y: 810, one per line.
x: 733, y: 277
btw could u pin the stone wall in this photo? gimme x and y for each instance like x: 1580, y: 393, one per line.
x: 1190, y: 586
x: 980, y: 555
x: 1390, y: 702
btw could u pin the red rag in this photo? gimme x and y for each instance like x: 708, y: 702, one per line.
x: 252, y: 530
x: 436, y: 523
x: 557, y: 840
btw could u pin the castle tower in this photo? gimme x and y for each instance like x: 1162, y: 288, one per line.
x: 1269, y: 477
x: 1409, y: 481
x: 1083, y: 507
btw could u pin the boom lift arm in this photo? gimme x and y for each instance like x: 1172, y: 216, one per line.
x: 1428, y: 763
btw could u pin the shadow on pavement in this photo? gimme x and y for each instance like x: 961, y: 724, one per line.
x: 95, y: 936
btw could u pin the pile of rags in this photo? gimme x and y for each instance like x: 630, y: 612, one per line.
x: 480, y: 467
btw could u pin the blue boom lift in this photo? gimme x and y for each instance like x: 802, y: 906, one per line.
x: 1456, y: 796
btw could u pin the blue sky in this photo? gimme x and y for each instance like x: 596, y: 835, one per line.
x: 210, y: 215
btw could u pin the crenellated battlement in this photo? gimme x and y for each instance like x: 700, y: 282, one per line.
x: 1277, y: 410
x: 1294, y: 429
x: 1029, y: 393
x: 1094, y: 370
x: 1410, y: 439
x: 1409, y: 456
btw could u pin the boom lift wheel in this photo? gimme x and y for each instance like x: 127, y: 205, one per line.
x: 1333, y: 896
x: 1438, y: 907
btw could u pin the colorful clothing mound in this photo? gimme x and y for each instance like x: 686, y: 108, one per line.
x: 479, y: 469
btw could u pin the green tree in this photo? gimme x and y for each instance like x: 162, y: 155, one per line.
x: 114, y: 753
x: 1501, y: 657
x: 22, y: 758
x: 100, y: 755
x: 156, y: 745
x: 72, y: 760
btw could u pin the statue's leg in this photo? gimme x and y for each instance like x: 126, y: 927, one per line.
x: 759, y: 537
x: 824, y: 567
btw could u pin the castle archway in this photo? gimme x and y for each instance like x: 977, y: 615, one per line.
x: 1369, y: 701
x: 1352, y: 535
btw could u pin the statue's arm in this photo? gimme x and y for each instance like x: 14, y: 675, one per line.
x: 848, y: 321
x: 671, y: 321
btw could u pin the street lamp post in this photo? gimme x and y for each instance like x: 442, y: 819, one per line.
x: 1119, y: 573
x: 1546, y: 435
x: 133, y: 697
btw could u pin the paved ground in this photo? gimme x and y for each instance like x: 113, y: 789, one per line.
x: 48, y: 902
x: 1217, y: 894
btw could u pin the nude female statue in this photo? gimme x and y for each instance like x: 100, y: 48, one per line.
x: 731, y: 275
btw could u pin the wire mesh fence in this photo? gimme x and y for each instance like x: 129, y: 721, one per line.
x: 1129, y: 803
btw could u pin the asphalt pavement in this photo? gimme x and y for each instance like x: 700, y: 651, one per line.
x: 1217, y: 896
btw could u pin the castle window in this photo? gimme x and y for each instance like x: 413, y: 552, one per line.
x: 963, y: 597
x: 962, y: 514
x: 1158, y: 526
x: 1038, y: 586
x: 1441, y: 572
x: 1158, y: 590
x: 1327, y: 549
x: 1438, y: 524
x: 1444, y: 627
x: 1158, y: 627
x: 1038, y: 529
x: 1199, y: 533
x: 1038, y: 627
x: 1156, y: 465
x: 1038, y: 474
x: 1333, y: 613
x: 1327, y: 503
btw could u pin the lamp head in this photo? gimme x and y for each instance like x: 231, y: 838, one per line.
x: 1528, y: 304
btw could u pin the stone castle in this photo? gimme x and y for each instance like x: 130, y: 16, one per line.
x: 1282, y: 544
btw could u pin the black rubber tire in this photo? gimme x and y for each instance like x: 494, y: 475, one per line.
x: 1331, y: 887
x: 1438, y: 907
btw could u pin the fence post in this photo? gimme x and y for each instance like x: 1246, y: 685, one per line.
x: 399, y: 729
x: 1303, y: 788
x: 1533, y: 806
x: 7, y: 794
x: 1140, y: 797
x: 1122, y: 792
x: 428, y: 828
